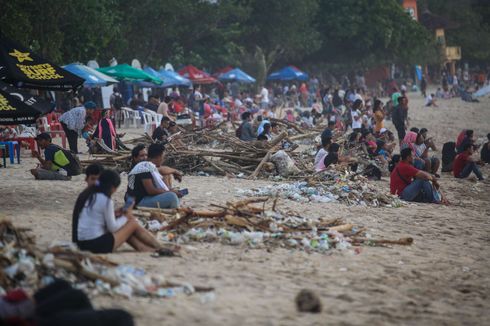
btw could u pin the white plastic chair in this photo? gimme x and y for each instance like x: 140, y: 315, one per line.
x: 131, y: 117
x: 148, y: 122
x: 156, y: 117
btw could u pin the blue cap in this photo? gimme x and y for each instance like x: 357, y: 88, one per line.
x: 90, y: 105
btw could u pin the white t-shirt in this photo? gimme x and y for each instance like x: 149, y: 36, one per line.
x: 356, y: 124
x: 455, y: 80
x: 197, y: 96
x: 428, y: 100
x: 319, y: 158
x: 98, y: 219
x: 264, y: 95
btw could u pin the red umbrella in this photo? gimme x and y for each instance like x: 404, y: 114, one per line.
x: 222, y: 71
x: 197, y: 76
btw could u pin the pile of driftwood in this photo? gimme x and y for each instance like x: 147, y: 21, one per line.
x: 259, y: 223
x: 23, y: 264
x: 233, y: 157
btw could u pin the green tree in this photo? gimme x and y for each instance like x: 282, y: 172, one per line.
x: 370, y: 32
x: 279, y: 31
x: 472, y: 25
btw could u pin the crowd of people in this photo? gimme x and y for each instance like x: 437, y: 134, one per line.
x: 352, y: 114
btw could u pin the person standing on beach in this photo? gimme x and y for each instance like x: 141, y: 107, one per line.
x: 423, y: 86
x: 400, y: 117
x: 73, y: 122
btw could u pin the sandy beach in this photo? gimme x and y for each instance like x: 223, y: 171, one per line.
x: 442, y: 279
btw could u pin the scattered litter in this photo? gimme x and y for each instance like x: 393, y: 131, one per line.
x: 25, y: 265
x: 249, y: 222
x: 350, y: 190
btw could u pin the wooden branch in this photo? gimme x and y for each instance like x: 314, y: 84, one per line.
x: 261, y: 164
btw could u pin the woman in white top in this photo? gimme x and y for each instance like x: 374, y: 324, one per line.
x: 95, y: 225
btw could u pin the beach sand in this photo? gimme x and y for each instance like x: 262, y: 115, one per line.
x: 442, y: 279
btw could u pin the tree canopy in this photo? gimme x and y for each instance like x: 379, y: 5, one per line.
x: 260, y: 34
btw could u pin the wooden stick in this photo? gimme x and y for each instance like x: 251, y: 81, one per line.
x: 261, y: 164
x: 374, y: 242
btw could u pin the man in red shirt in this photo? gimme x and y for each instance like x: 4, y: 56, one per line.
x: 464, y: 164
x: 410, y: 183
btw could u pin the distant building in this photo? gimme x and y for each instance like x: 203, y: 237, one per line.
x: 411, y: 8
x: 438, y: 24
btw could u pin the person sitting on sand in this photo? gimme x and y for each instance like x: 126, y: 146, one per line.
x: 430, y: 100
x: 378, y: 115
x: 161, y: 133
x: 51, y: 167
x: 245, y: 131
x: 409, y: 142
x: 328, y: 132
x: 266, y: 133
x: 412, y: 184
x: 333, y: 157
x: 322, y: 153
x: 138, y: 154
x: 467, y: 139
x: 464, y: 164
x: 146, y: 185
x: 485, y: 151
x: 422, y: 151
x: 429, y: 141
x: 92, y: 173
x: 95, y: 226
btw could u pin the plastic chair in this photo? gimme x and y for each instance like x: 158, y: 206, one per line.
x: 54, y: 124
x: 12, y: 146
x: 148, y: 122
x: 130, y: 117
x: 31, y: 141
x: 42, y: 124
x: 156, y: 117
x: 3, y: 150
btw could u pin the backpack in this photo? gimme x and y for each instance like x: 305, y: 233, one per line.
x: 372, y: 172
x: 448, y: 155
x: 118, y: 101
x: 67, y: 161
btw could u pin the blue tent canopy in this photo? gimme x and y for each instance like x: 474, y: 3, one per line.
x: 173, y: 79
x: 288, y: 73
x: 93, y: 78
x: 236, y: 75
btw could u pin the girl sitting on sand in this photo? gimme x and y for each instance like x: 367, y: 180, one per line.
x: 98, y: 228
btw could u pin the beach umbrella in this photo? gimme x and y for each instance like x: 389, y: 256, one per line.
x: 288, y: 73
x: 196, y: 76
x: 126, y: 72
x: 21, y: 67
x: 222, y: 71
x: 146, y: 84
x: 237, y: 75
x: 173, y: 79
x: 17, y: 106
x: 93, y: 78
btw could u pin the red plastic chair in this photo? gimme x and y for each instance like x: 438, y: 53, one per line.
x: 54, y: 124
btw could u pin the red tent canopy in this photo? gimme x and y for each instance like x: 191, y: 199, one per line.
x: 196, y: 76
x: 222, y: 71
